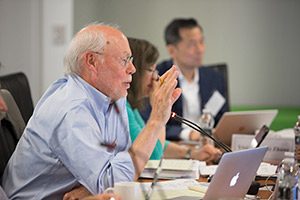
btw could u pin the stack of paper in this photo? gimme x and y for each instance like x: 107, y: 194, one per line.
x: 173, y: 168
x: 174, y: 189
x: 266, y: 170
x: 177, y: 189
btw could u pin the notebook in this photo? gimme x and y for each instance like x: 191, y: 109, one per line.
x: 234, y: 174
x: 242, y: 122
x: 173, y: 168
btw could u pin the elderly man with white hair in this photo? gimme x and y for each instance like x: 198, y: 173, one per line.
x: 78, y: 134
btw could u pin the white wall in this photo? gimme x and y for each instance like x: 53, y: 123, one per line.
x: 258, y: 39
x: 57, y: 29
x: 34, y: 35
x: 20, y: 40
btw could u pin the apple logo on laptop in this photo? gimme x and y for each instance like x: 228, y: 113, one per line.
x: 234, y: 179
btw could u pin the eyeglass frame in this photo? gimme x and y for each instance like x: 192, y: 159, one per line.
x: 126, y: 61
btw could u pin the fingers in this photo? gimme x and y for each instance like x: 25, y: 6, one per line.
x: 69, y: 196
x: 168, y: 83
x: 109, y: 197
x: 155, y: 87
x: 165, y: 92
x: 215, y: 154
x: 194, y: 136
x: 104, y: 197
x: 66, y: 196
x: 77, y: 193
x: 166, y: 74
x: 164, y: 96
x: 176, y: 94
x: 209, y: 153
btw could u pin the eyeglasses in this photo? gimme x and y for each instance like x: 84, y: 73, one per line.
x: 155, y: 75
x: 124, y: 61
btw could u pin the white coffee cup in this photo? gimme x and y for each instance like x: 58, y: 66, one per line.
x: 127, y: 190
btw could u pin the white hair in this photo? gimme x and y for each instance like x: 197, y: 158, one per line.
x: 92, y: 40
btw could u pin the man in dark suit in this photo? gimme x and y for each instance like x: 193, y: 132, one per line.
x: 185, y: 44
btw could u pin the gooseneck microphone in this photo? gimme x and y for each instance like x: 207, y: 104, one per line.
x: 253, y: 190
x: 155, y: 179
x: 194, y: 126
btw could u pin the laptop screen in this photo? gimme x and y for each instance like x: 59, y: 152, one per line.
x: 235, y: 173
x: 242, y: 122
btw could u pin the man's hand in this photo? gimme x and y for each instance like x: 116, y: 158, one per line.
x: 162, y: 100
x: 103, y: 197
x: 207, y: 153
x: 195, y: 136
x: 164, y: 95
x: 81, y: 193
x: 77, y: 193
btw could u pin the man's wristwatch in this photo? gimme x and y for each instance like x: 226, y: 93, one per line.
x: 188, y: 154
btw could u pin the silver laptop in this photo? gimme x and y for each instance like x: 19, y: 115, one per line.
x: 242, y: 122
x: 235, y: 173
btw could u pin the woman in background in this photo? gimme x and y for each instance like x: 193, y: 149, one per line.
x: 144, y: 81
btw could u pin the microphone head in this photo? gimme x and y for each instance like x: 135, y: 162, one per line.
x: 173, y: 114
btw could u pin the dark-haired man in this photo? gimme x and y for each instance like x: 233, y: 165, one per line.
x: 185, y: 43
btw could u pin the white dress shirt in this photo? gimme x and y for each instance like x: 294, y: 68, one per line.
x: 191, y: 102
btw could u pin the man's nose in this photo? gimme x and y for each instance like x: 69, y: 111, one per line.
x: 200, y: 48
x: 131, y: 68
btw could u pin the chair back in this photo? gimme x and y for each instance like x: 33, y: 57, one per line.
x: 17, y: 84
x: 222, y: 69
x: 11, y: 129
x: 8, y: 144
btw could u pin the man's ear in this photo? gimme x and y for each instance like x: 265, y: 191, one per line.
x: 90, y: 61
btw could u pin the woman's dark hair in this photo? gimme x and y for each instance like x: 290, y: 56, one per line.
x: 144, y: 55
x: 172, y: 35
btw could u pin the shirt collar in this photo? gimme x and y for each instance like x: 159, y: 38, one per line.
x: 182, y: 78
x: 101, y: 100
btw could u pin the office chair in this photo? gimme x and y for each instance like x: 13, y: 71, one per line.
x: 11, y: 129
x: 17, y: 84
x: 222, y: 69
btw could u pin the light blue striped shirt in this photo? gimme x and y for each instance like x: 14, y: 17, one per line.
x: 62, y: 145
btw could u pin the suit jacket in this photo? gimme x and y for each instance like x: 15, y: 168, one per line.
x: 210, y: 80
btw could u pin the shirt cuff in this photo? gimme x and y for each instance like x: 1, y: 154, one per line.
x: 185, y: 134
x: 123, y: 167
